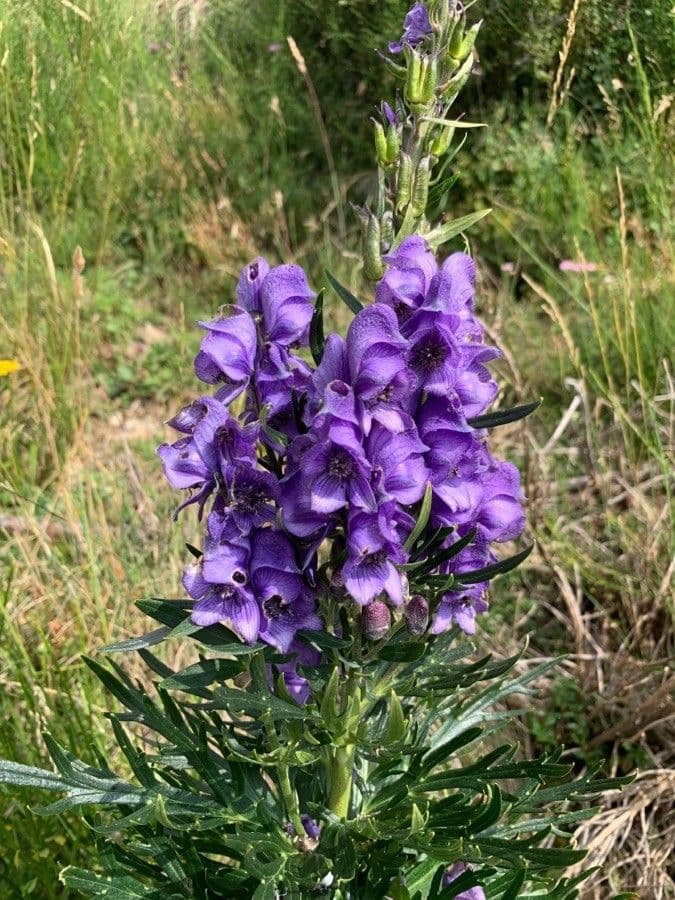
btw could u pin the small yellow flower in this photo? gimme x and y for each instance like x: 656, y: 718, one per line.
x: 7, y: 366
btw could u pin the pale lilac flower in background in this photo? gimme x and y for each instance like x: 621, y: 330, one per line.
x: 571, y: 265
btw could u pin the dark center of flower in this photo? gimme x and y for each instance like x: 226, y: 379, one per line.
x: 428, y: 354
x: 377, y: 558
x: 253, y: 271
x: 387, y: 394
x: 275, y: 608
x: 249, y: 497
x: 341, y: 466
x: 239, y: 577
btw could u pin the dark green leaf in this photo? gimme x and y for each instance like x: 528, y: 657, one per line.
x: 316, y: 335
x: 138, y: 643
x: 498, y: 568
x: 346, y: 296
x: 433, y: 562
x: 422, y: 518
x: 504, y: 416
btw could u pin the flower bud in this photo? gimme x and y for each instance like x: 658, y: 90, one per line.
x: 416, y: 615
x: 380, y: 146
x: 441, y: 143
x: 420, y: 195
x: 393, y: 145
x: 421, y: 82
x: 376, y: 620
x: 373, y: 267
x: 404, y: 183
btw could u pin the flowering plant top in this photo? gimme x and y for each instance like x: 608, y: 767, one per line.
x: 333, y: 738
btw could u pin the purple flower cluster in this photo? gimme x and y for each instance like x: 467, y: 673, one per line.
x: 334, y: 460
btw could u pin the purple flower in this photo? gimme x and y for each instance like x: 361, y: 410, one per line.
x: 377, y: 360
x: 389, y: 114
x: 410, y: 271
x: 216, y: 443
x: 234, y: 607
x: 373, y: 552
x: 250, y: 283
x: 399, y: 471
x: 228, y: 351
x: 312, y: 827
x: 286, y: 300
x: 286, y: 602
x: 500, y: 515
x: 474, y: 385
x: 416, y: 27
x: 251, y: 498
x: 435, y: 358
x: 336, y: 472
x: 461, y: 605
x: 452, y: 874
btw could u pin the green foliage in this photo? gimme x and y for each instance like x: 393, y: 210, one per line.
x: 219, y: 775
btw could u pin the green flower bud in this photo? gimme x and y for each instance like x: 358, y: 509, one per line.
x: 393, y: 145
x: 420, y: 195
x: 422, y: 81
x: 404, y: 182
x: 381, y: 146
x: 373, y: 267
x: 441, y: 143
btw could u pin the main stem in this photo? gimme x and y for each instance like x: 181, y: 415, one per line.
x: 340, y: 778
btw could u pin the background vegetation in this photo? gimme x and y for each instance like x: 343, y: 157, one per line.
x: 171, y: 141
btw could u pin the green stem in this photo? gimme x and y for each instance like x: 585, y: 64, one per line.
x: 340, y: 777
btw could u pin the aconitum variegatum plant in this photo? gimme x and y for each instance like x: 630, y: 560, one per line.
x: 337, y: 736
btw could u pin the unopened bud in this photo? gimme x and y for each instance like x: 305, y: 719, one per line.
x: 420, y: 195
x: 373, y: 267
x: 393, y: 145
x: 404, y: 183
x: 376, y: 620
x: 421, y: 82
x: 380, y: 146
x: 416, y: 615
x: 441, y: 143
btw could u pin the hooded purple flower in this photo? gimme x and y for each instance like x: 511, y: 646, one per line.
x: 250, y: 283
x: 474, y: 385
x: 336, y: 472
x: 234, y: 607
x: 286, y: 300
x: 398, y: 465
x: 374, y: 549
x: 373, y: 360
x: 416, y: 27
x: 452, y: 461
x: 500, y: 515
x: 435, y: 358
x: 461, y: 605
x: 215, y: 443
x: 286, y: 602
x: 452, y: 874
x: 228, y: 351
x: 410, y: 271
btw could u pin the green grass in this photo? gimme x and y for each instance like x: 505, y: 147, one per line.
x: 172, y: 168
